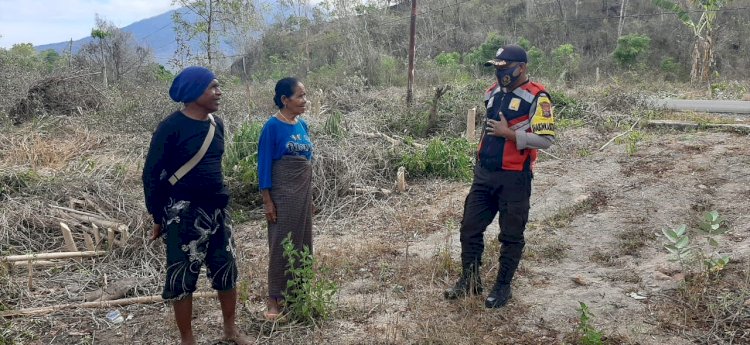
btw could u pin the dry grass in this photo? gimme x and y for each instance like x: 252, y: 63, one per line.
x: 709, y: 309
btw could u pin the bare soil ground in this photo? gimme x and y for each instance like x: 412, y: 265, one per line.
x: 594, y: 237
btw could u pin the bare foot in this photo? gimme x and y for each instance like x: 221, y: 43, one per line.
x: 273, y: 309
x: 233, y: 334
x: 190, y: 341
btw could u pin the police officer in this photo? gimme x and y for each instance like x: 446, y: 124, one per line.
x: 519, y: 121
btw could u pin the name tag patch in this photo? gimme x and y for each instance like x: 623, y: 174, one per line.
x: 514, y: 104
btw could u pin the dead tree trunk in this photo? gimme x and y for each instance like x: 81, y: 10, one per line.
x: 432, y: 119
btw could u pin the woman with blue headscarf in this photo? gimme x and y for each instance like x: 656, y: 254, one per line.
x: 185, y: 194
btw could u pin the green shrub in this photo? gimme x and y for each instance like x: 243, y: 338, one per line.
x: 448, y: 59
x: 670, y: 65
x: 241, y: 163
x: 333, y: 125
x: 308, y: 297
x: 486, y: 50
x: 445, y: 158
x: 563, y: 62
x: 631, y: 48
x: 566, y: 107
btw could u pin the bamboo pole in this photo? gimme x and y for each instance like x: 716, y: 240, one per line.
x: 22, y: 264
x: 91, y: 218
x: 44, y: 256
x: 89, y: 242
x: 70, y: 245
x: 96, y: 304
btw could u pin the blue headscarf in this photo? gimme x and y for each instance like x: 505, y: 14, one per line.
x: 190, y: 84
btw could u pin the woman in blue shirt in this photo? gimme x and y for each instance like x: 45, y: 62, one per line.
x: 285, y: 178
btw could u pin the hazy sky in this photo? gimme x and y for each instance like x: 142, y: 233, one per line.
x: 50, y: 21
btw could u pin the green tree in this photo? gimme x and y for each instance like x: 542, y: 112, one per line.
x: 630, y: 48
x: 703, y: 29
x: 486, y: 50
x: 101, y: 34
x: 25, y: 55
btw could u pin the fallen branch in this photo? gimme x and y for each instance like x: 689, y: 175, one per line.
x: 358, y: 189
x: 112, y: 292
x: 393, y: 141
x: 549, y: 154
x: 44, y: 256
x: 96, y: 304
x: 92, y: 218
x: 619, y: 135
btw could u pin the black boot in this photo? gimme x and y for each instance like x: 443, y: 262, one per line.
x: 499, y: 296
x: 469, y: 283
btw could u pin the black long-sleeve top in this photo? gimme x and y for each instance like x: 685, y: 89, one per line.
x: 175, y: 141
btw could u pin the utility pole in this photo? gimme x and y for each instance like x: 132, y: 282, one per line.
x: 412, y: 50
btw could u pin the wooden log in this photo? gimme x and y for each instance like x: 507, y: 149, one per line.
x: 96, y: 304
x: 111, y: 292
x: 70, y: 245
x: 44, y: 256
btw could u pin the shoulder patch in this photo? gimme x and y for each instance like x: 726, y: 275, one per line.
x: 543, y: 122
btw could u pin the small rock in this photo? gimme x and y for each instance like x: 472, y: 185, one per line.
x: 678, y: 277
x: 581, y: 198
x: 747, y: 303
x: 578, y: 280
x: 661, y: 276
x: 702, y: 186
x: 636, y: 296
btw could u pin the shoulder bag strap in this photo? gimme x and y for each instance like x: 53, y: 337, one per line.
x: 198, y: 155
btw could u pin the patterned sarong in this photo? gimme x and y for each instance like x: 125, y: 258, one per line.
x: 292, y: 195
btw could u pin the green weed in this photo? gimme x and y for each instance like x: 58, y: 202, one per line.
x: 447, y: 158
x: 588, y: 334
x: 308, y: 297
x: 708, y: 261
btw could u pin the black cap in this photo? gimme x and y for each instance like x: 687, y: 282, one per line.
x: 507, y: 54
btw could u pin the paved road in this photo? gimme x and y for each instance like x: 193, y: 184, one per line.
x: 710, y: 106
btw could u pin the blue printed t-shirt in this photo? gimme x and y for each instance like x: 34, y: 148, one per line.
x: 281, y: 139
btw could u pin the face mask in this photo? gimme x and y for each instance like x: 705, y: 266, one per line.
x: 509, y: 76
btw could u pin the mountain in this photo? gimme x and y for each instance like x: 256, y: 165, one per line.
x: 156, y: 33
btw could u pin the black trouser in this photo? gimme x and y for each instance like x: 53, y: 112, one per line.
x: 506, y: 192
